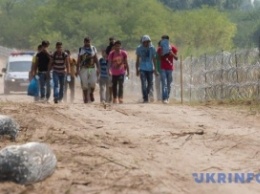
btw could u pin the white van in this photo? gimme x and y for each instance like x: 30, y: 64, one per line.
x: 17, y: 69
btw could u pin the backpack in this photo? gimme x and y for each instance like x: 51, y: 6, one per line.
x: 93, y: 49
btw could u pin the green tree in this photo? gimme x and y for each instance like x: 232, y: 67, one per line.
x: 248, y: 23
x: 120, y: 18
x: 202, y: 30
x: 191, y: 4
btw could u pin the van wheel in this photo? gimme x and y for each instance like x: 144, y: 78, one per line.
x: 6, y: 91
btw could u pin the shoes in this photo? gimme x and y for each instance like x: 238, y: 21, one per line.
x: 55, y: 101
x: 121, y: 100
x: 145, y: 101
x: 166, y: 102
x: 115, y: 100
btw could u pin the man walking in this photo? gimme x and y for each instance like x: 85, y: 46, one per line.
x: 118, y: 65
x: 41, y: 67
x: 110, y: 46
x: 31, y: 73
x: 145, y: 67
x: 39, y: 49
x: 167, y: 67
x: 60, y: 65
x: 87, y: 59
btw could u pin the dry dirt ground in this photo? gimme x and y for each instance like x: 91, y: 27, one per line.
x: 136, y: 148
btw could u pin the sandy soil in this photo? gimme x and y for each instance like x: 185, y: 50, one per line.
x: 136, y: 148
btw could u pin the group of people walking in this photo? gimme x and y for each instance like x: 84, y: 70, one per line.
x: 110, y: 70
x: 160, y: 62
x: 63, y: 73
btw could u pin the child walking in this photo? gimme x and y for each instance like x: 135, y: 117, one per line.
x: 104, y: 80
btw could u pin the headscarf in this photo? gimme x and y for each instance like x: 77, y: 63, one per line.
x: 146, y: 38
x: 141, y: 47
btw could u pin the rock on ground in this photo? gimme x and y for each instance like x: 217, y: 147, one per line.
x: 8, y: 126
x: 26, y: 164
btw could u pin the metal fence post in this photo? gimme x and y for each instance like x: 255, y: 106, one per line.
x: 191, y: 76
x: 222, y: 72
x: 258, y: 81
x: 181, y: 79
x: 205, y: 77
x: 237, y: 74
x: 259, y: 46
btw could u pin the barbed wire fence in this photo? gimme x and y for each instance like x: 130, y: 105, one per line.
x: 224, y: 76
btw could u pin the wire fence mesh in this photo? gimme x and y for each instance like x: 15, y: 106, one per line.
x: 224, y: 76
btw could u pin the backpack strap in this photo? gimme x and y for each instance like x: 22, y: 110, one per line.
x: 63, y: 55
x: 93, y: 49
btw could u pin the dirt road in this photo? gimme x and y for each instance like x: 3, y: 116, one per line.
x: 136, y: 148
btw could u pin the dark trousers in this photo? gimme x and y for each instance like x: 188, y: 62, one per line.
x: 45, y: 85
x: 118, y: 86
x: 147, y: 84
x: 58, y: 82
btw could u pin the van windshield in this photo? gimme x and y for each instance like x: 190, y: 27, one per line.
x: 20, y: 66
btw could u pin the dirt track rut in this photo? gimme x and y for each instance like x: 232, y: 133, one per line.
x: 138, y: 148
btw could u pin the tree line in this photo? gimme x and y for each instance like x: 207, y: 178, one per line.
x: 24, y: 23
x: 220, y: 4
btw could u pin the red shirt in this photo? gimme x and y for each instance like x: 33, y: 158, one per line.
x: 167, y: 61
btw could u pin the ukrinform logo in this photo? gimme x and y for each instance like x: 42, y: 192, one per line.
x: 226, y: 178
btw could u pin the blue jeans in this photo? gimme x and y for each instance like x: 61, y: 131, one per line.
x: 45, y: 86
x: 147, y: 84
x: 166, y: 79
x: 58, y: 85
